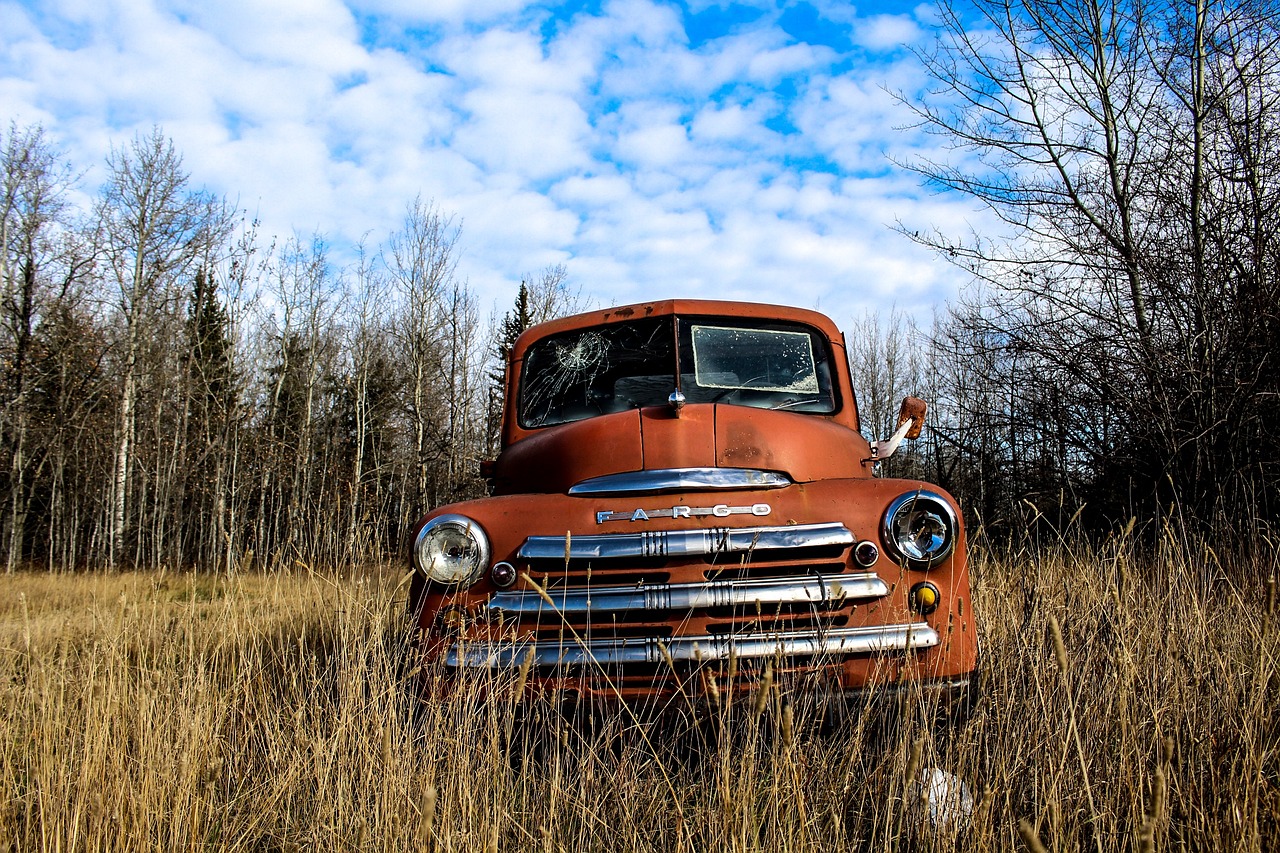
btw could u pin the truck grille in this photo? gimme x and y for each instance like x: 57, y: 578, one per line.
x: 683, y: 596
x: 766, y: 593
x: 684, y: 543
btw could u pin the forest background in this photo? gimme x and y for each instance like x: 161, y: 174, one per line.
x: 177, y: 391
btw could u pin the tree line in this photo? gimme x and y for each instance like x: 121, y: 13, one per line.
x: 1118, y: 356
x: 173, y: 392
x: 176, y: 391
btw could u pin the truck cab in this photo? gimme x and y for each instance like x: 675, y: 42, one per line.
x: 683, y: 496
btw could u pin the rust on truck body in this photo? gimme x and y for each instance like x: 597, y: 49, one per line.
x: 682, y: 493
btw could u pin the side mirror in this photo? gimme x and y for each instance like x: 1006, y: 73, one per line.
x: 912, y: 410
x: 910, y: 420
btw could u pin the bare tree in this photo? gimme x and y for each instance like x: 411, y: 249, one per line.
x: 41, y: 257
x: 462, y: 381
x: 552, y: 295
x: 888, y: 360
x: 299, y: 343
x: 153, y: 227
x: 221, y: 383
x: 169, y: 397
x: 370, y: 388
x: 421, y: 259
x: 1130, y: 149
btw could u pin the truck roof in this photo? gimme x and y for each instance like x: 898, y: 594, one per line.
x: 684, y: 307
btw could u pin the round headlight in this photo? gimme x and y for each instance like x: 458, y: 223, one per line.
x: 920, y: 529
x: 451, y: 549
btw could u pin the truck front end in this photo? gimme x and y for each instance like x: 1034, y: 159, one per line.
x: 683, y: 502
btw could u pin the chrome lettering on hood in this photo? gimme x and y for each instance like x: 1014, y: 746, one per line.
x: 718, y: 511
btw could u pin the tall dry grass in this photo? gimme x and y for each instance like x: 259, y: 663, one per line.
x: 179, y: 712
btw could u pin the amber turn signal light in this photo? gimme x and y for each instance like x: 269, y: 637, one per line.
x: 924, y: 598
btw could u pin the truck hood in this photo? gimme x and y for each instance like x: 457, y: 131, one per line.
x: 804, y: 447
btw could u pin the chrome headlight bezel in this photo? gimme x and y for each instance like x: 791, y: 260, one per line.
x: 920, y: 529
x: 451, y: 550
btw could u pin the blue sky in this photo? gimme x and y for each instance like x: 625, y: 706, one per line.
x: 656, y: 149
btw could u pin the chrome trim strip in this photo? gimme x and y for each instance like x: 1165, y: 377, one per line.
x: 831, y: 590
x: 680, y: 479
x: 631, y: 650
x: 679, y: 543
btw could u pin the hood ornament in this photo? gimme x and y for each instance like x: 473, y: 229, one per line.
x: 676, y: 401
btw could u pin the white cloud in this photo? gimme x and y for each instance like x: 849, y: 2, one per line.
x: 772, y: 65
x: 315, y: 34
x: 455, y: 12
x: 536, y: 136
x: 592, y: 191
x: 886, y: 32
x: 654, y: 146
x: 734, y: 124
x: 649, y: 167
x: 522, y: 111
x: 648, y: 25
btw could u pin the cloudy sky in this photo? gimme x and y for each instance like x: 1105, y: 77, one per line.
x: 656, y: 149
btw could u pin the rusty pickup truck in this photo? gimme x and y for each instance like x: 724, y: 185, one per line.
x: 684, y: 495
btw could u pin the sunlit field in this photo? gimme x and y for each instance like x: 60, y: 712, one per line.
x: 1127, y: 704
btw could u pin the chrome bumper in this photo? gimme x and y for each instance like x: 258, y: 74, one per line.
x: 833, y: 642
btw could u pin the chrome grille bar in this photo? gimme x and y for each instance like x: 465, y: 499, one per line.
x: 680, y: 543
x: 831, y: 590
x: 833, y: 642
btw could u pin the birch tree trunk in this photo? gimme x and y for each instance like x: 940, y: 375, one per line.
x: 153, y: 227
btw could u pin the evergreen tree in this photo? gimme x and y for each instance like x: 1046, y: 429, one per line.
x: 514, y: 322
x: 208, y: 407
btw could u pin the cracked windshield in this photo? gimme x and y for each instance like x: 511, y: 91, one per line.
x: 622, y: 366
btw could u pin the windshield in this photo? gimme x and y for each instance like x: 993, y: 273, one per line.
x: 621, y: 366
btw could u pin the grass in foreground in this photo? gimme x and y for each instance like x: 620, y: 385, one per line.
x: 1127, y: 706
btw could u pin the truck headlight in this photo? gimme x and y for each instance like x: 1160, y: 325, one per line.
x: 920, y: 529
x: 451, y: 549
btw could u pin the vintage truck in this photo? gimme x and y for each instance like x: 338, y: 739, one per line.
x: 682, y: 496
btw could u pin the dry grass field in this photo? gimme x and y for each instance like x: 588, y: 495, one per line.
x: 272, y: 713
